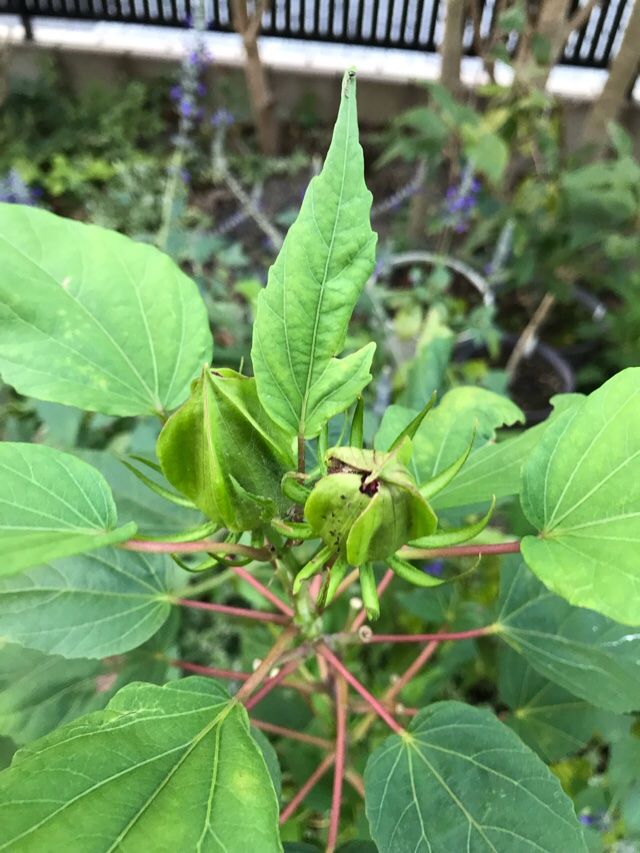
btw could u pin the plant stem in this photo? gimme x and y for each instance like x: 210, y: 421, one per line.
x: 339, y: 765
x: 210, y: 546
x: 208, y: 583
x: 273, y: 729
x: 485, y: 631
x: 281, y: 645
x: 311, y: 782
x: 361, y: 617
x: 346, y: 583
x: 243, y: 612
x: 300, y: 454
x: 461, y: 550
x: 364, y: 725
x: 337, y: 665
x: 272, y: 682
x: 211, y: 671
x: 355, y: 780
x: 263, y: 590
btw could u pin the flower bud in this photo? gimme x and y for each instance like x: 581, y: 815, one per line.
x: 222, y: 451
x: 368, y: 505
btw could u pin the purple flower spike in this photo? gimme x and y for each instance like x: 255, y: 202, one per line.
x: 201, y: 90
x: 175, y: 92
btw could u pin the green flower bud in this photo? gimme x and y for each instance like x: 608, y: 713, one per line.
x: 368, y: 505
x: 222, y: 451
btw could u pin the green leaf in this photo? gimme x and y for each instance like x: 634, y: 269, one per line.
x: 51, y: 505
x: 488, y: 154
x: 496, y: 468
x: 549, y: 719
x: 40, y: 692
x: 461, y: 780
x: 135, y: 502
x: 589, y: 655
x: 88, y: 606
x: 447, y: 430
x: 270, y: 758
x: 314, y: 284
x: 581, y: 490
x: 89, y: 318
x: 162, y: 768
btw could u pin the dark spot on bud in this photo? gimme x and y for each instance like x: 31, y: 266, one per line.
x: 369, y: 489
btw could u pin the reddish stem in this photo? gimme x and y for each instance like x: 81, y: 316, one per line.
x: 361, y: 617
x: 273, y: 729
x: 311, y: 782
x: 337, y: 664
x: 412, y: 670
x: 462, y: 550
x: 151, y: 546
x: 272, y: 682
x: 263, y: 590
x: 243, y: 612
x: 424, y: 638
x: 338, y: 768
x: 211, y: 671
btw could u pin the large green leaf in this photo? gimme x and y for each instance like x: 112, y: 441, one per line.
x: 314, y: 284
x: 461, y: 780
x: 51, y: 505
x: 589, y: 655
x: 153, y: 515
x: 548, y: 718
x: 92, y: 319
x: 166, y: 769
x: 447, y: 429
x: 581, y: 490
x: 496, y: 468
x: 88, y: 606
x: 40, y: 692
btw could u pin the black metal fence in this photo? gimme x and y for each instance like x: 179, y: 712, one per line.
x: 406, y: 24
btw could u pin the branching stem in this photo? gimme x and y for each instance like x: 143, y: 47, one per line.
x: 227, y: 610
x: 275, y: 652
x: 210, y: 546
x: 367, y: 637
x: 339, y: 667
x: 461, y: 550
x: 311, y: 782
x: 340, y: 761
x: 263, y: 590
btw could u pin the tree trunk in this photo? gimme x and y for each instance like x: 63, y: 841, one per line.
x: 451, y: 51
x: 551, y: 30
x: 621, y: 77
x: 260, y: 94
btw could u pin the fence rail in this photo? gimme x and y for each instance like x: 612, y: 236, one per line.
x: 406, y: 24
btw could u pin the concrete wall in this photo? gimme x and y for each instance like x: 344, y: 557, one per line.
x: 389, y: 81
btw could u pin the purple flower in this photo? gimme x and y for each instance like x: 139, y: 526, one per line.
x: 185, y: 108
x: 435, y: 568
x: 175, y: 92
x: 185, y: 175
x: 222, y: 118
x: 201, y: 90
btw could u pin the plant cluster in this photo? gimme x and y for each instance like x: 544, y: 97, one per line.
x: 284, y: 487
